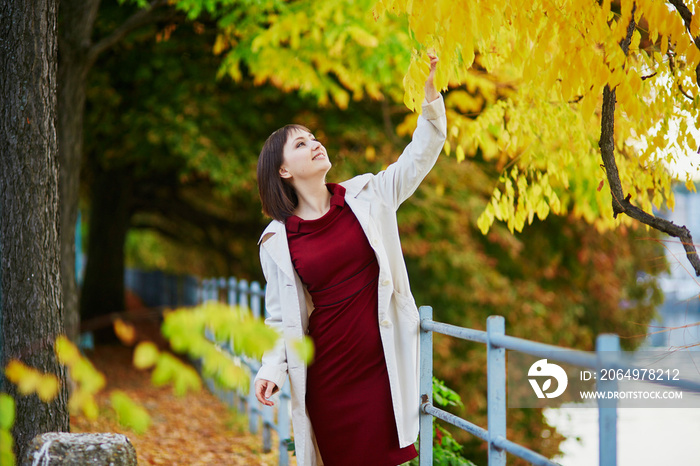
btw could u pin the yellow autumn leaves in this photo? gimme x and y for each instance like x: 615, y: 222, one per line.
x: 30, y: 380
x: 202, y: 333
x: 535, y: 74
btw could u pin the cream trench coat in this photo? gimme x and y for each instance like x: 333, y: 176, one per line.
x: 374, y: 199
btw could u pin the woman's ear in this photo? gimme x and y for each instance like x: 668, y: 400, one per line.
x: 284, y: 173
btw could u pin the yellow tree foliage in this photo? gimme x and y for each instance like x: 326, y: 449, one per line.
x: 529, y: 80
x: 526, y: 85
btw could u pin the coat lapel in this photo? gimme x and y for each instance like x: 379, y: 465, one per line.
x: 359, y: 207
x: 274, y: 240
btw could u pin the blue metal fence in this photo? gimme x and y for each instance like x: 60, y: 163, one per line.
x: 278, y: 418
x: 497, y: 342
x: 251, y: 295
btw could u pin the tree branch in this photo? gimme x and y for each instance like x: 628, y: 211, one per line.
x: 672, y: 67
x: 687, y: 18
x: 620, y: 203
x: 138, y: 19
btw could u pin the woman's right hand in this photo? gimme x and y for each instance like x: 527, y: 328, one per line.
x: 431, y: 93
x: 264, y: 390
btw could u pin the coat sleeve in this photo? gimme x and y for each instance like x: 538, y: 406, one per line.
x: 274, y: 361
x: 400, y: 180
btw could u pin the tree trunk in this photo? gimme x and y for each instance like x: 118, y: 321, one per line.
x: 30, y: 276
x: 103, y: 289
x: 78, y: 19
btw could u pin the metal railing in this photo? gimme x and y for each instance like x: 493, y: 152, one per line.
x: 497, y: 342
x: 250, y: 296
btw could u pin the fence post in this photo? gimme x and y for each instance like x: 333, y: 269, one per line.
x: 425, y: 445
x: 205, y: 290
x: 232, y: 288
x: 243, y: 294
x: 201, y: 292
x: 210, y: 290
x: 283, y: 433
x: 268, y: 424
x: 255, y: 299
x: 253, y: 408
x: 220, y: 286
x: 496, y: 389
x: 607, y: 349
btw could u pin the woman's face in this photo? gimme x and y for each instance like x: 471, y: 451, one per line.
x: 304, y: 158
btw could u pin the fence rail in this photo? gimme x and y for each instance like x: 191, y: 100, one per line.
x: 250, y: 296
x: 497, y: 342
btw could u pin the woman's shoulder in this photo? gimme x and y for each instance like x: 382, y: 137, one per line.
x: 353, y: 186
x: 273, y: 228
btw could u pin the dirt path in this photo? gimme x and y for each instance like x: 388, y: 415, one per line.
x: 195, y: 430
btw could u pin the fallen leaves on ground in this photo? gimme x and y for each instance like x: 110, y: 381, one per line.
x: 197, y: 429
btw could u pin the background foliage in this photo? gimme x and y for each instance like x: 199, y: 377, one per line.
x: 180, y: 120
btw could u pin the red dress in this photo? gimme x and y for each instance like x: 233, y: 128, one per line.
x: 347, y: 389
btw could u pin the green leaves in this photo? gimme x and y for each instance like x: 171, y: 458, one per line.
x: 145, y: 355
x: 305, y: 349
x: 229, y: 326
x: 7, y: 456
x: 170, y: 370
x: 444, y: 396
x: 7, y: 419
x: 7, y: 411
x: 130, y: 413
x: 311, y: 47
x: 88, y: 381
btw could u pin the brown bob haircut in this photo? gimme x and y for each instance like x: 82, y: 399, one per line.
x: 277, y: 195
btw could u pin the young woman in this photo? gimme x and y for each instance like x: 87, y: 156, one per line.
x: 334, y: 269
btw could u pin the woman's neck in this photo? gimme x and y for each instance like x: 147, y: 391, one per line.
x: 314, y: 201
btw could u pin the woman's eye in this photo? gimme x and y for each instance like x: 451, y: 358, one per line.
x: 300, y: 144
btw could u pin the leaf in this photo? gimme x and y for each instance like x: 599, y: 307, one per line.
x: 125, y: 332
x: 233, y: 377
x: 459, y: 153
x: 145, y: 355
x: 485, y: 220
x: 362, y: 37
x: 66, y: 352
x: 689, y: 185
x: 89, y: 378
x: 47, y: 387
x: 26, y: 378
x: 187, y: 379
x: 130, y: 413
x: 82, y: 400
x: 7, y: 456
x: 7, y: 411
x: 305, y: 349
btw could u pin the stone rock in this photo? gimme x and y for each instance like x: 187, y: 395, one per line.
x: 66, y: 449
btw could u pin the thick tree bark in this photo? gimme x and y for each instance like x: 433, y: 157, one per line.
x: 30, y: 276
x: 103, y: 289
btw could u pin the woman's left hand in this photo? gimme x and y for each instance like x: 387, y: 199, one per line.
x: 430, y: 92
